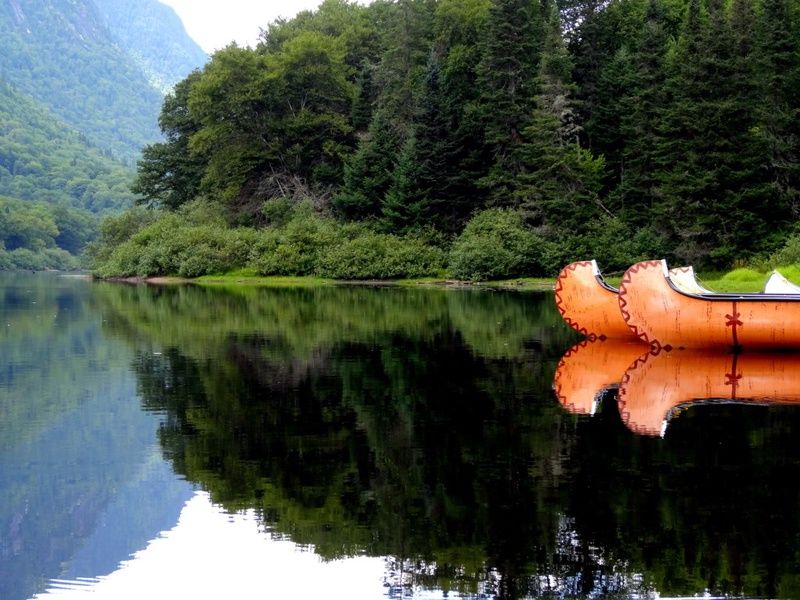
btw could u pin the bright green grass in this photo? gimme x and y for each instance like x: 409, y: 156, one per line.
x: 742, y: 280
x: 748, y: 280
x: 739, y: 280
x: 247, y: 277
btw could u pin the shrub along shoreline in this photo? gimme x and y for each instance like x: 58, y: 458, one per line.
x: 300, y: 246
x: 197, y: 241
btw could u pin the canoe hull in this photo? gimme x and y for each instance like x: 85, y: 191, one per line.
x: 590, y: 368
x: 660, y: 315
x: 587, y: 304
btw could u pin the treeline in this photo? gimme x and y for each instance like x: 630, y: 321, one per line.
x: 39, y: 235
x: 617, y: 130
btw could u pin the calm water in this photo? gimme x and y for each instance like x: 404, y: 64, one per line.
x: 367, y: 443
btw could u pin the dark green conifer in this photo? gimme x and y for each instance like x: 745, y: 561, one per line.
x: 506, y: 79
x: 560, y: 185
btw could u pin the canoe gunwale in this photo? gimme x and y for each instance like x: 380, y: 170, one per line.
x: 600, y: 280
x: 661, y: 314
x: 727, y: 297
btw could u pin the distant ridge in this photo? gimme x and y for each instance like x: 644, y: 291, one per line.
x: 153, y: 34
x: 61, y: 53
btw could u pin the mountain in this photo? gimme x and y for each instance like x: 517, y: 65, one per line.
x: 81, y: 84
x: 81, y: 87
x: 153, y: 34
x: 101, y: 66
x: 43, y: 159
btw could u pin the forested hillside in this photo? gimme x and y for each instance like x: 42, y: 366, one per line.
x: 42, y: 159
x: 81, y: 83
x: 485, y: 137
x: 154, y: 36
x: 61, y: 53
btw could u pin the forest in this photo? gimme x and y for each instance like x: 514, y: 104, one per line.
x: 478, y: 139
x: 40, y: 235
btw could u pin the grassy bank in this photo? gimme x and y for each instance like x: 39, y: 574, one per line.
x: 743, y: 280
x: 249, y: 278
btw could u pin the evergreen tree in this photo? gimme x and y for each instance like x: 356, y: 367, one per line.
x: 506, y: 79
x: 434, y: 154
x: 405, y: 207
x: 778, y: 62
x: 711, y: 189
x: 399, y: 73
x: 362, y: 102
x: 560, y: 185
x: 640, y: 109
x: 368, y: 173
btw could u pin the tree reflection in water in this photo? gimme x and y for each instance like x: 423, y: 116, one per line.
x: 420, y: 425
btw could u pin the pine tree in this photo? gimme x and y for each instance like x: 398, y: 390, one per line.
x: 640, y: 108
x: 506, y: 78
x: 361, y: 113
x: 561, y: 182
x: 405, y: 207
x: 709, y: 159
x: 368, y: 173
x: 420, y: 191
x: 778, y: 62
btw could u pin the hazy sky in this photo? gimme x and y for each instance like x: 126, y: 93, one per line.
x: 215, y: 23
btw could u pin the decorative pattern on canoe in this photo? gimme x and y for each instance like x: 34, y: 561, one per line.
x: 560, y: 304
x: 662, y: 316
x: 623, y: 299
x: 586, y: 305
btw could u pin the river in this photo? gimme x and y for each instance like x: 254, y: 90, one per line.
x: 368, y: 442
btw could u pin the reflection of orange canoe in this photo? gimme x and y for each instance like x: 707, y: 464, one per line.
x: 591, y: 367
x: 587, y: 303
x: 661, y: 383
x: 662, y: 314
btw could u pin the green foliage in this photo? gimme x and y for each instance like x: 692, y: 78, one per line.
x: 168, y: 173
x: 192, y: 242
x: 43, y: 159
x: 613, y: 243
x: 506, y: 80
x: 36, y: 235
x: 640, y: 128
x: 788, y: 255
x: 496, y: 244
x: 382, y: 256
x: 255, y: 121
x: 196, y: 241
x: 295, y: 249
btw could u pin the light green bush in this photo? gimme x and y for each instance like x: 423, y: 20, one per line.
x: 496, y: 244
x: 788, y: 255
x: 381, y: 256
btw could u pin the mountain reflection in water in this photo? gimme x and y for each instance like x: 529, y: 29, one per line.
x: 419, y: 427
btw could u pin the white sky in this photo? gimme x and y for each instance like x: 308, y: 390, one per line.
x: 213, y: 24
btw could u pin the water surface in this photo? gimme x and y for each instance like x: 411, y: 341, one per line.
x: 369, y: 442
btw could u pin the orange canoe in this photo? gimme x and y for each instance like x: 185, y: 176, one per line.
x: 590, y: 368
x: 588, y: 304
x: 662, y: 313
x: 660, y: 384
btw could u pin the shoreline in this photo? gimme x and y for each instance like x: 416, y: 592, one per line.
x: 522, y: 284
